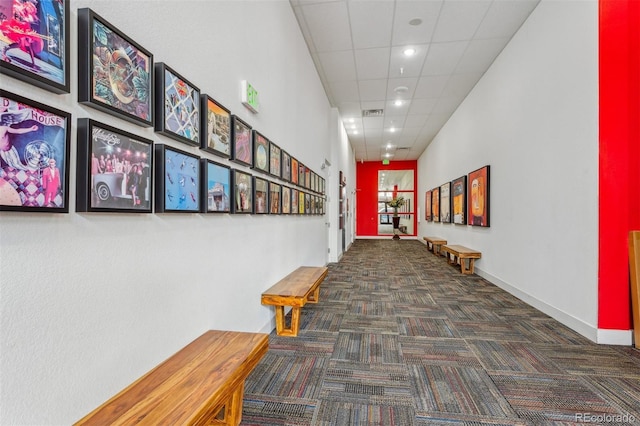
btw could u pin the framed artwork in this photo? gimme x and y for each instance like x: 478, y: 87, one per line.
x: 216, y: 127
x: 459, y: 200
x: 275, y: 198
x: 322, y: 185
x: 427, y: 206
x: 286, y: 166
x: 294, y: 171
x: 307, y: 203
x: 241, y: 151
x: 34, y: 156
x: 35, y: 42
x: 445, y: 203
x: 216, y: 191
x: 307, y: 177
x: 478, y: 193
x: 301, y: 175
x: 115, y: 74
x: 286, y: 200
x: 294, y: 201
x: 242, y: 192
x: 177, y: 181
x: 313, y: 205
x: 114, y: 170
x: 435, y: 204
x: 260, y: 152
x: 260, y: 195
x: 301, y: 203
x: 177, y: 106
x: 322, y: 206
x: 275, y: 160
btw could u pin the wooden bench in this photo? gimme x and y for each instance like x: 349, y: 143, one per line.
x: 295, y: 290
x: 434, y: 244
x: 634, y: 274
x: 460, y: 254
x: 202, y: 384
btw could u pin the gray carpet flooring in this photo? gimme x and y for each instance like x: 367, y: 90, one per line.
x: 399, y: 337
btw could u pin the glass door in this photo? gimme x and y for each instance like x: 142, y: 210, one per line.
x: 393, y: 184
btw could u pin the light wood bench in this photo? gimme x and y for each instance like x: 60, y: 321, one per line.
x: 460, y: 254
x: 202, y: 384
x: 434, y: 244
x: 295, y: 290
x: 634, y: 273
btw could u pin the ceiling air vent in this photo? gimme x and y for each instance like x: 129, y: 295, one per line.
x: 401, y: 148
x: 372, y: 112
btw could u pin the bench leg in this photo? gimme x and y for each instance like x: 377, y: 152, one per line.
x: 463, y: 267
x: 436, y: 250
x: 281, y: 328
x: 231, y: 413
x: 315, y: 297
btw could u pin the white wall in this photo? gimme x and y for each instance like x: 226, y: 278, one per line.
x: 92, y: 301
x: 533, y: 118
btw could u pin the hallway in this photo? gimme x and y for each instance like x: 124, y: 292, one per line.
x: 401, y: 338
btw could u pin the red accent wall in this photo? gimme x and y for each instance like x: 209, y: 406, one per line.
x: 367, y: 193
x: 619, y: 168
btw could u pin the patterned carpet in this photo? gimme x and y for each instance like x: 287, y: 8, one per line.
x: 401, y: 338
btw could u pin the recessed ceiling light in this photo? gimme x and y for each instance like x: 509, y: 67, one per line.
x: 351, y: 120
x: 355, y: 132
x: 392, y: 129
x: 398, y: 102
x: 409, y: 51
x: 415, y: 21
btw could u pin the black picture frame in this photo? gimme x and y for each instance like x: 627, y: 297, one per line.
x: 445, y: 202
x: 286, y: 166
x: 260, y: 195
x: 294, y: 201
x: 241, y: 140
x: 215, y: 127
x: 115, y: 74
x: 275, y: 198
x: 286, y: 200
x: 177, y: 106
x: 260, y: 152
x: 216, y: 187
x: 34, y: 167
x: 178, y: 180
x: 42, y: 59
x: 478, y: 200
x: 275, y: 160
x: 459, y: 200
x: 242, y: 192
x: 114, y: 170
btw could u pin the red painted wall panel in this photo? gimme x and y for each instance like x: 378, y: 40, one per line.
x: 619, y: 168
x: 367, y: 193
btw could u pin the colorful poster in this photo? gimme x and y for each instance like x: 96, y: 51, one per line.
x: 33, y: 155
x: 478, y: 183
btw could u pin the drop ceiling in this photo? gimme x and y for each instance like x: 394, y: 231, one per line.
x: 358, y: 49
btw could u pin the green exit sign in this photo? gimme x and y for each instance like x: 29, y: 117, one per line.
x: 250, y: 97
x: 385, y: 162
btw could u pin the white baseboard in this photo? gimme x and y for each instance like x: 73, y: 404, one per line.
x: 587, y: 330
x: 615, y: 337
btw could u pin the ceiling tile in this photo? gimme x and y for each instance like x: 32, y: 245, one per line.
x: 328, y: 25
x: 372, y: 63
x: 372, y: 90
x: 415, y: 120
x: 394, y: 120
x: 422, y: 106
x: 402, y: 66
x: 349, y: 109
x: 447, y: 105
x: 406, y: 10
x: 344, y: 91
x: 443, y: 58
x: 338, y: 65
x: 430, y: 86
x: 371, y: 23
x: 459, y: 20
x: 372, y: 123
